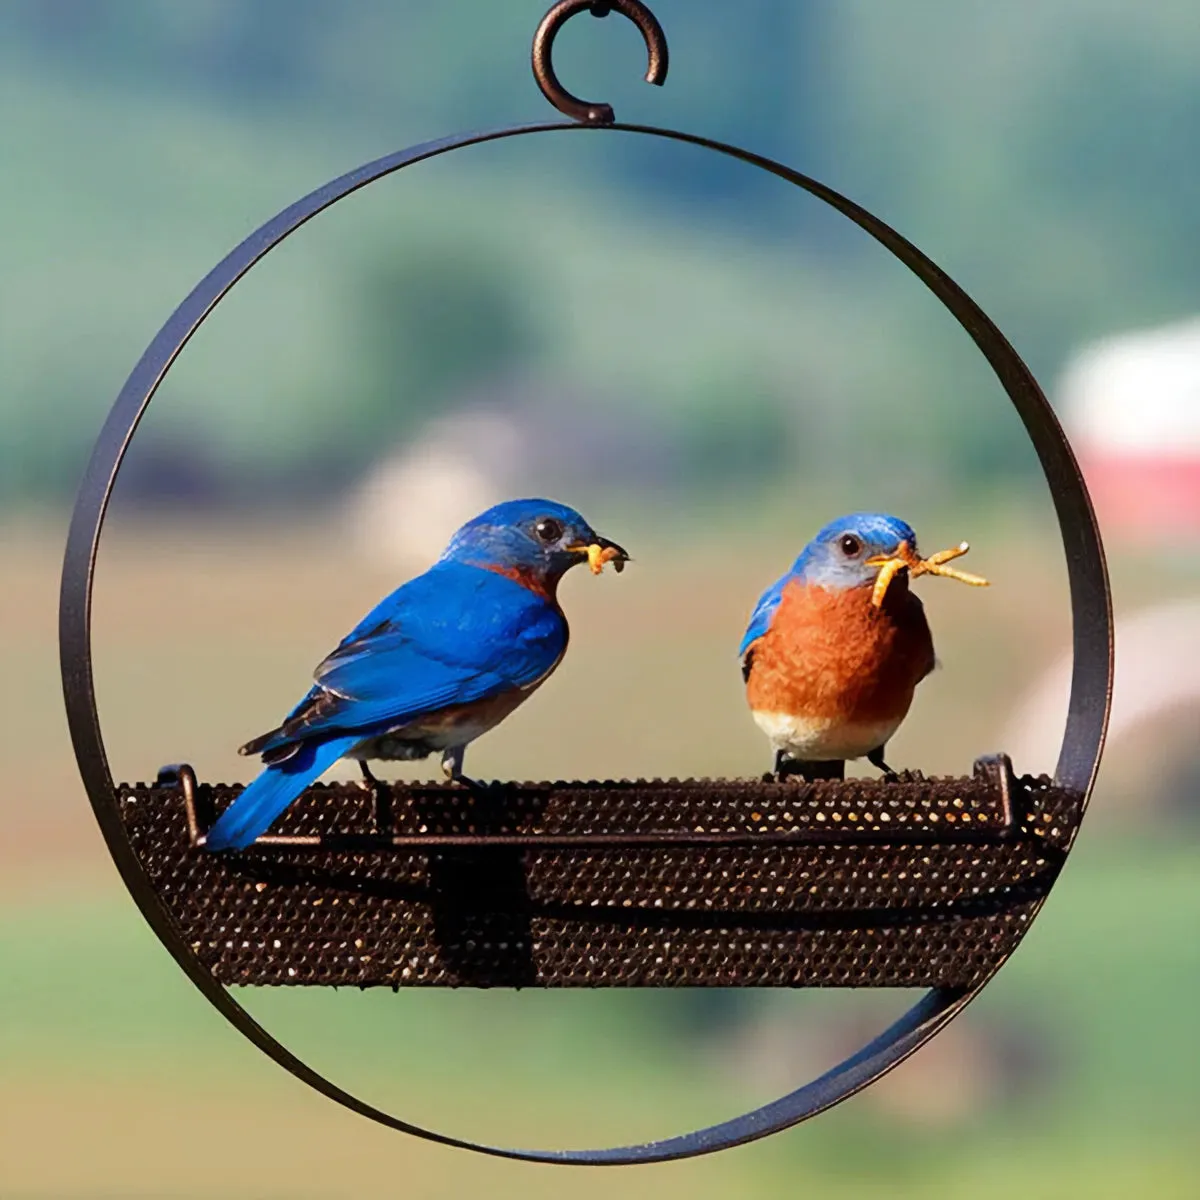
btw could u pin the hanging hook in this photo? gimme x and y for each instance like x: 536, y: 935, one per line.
x: 543, y: 66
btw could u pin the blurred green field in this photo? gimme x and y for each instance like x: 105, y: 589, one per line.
x: 116, y: 1081
x: 107, y: 1050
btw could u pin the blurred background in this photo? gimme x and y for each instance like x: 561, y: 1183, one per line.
x: 710, y: 365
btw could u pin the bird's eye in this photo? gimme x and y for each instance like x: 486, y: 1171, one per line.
x: 548, y: 529
x: 850, y: 545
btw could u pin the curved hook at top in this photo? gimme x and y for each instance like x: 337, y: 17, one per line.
x: 543, y: 64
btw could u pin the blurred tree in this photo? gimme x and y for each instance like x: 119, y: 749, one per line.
x: 1037, y: 150
x: 436, y: 323
x: 735, y: 429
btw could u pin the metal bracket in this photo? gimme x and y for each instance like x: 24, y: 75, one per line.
x: 978, y: 809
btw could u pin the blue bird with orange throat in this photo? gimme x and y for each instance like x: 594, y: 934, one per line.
x: 439, y: 662
x: 836, y: 647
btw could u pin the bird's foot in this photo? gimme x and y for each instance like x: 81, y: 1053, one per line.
x: 905, y: 776
x: 381, y: 796
x: 875, y: 758
x: 452, y: 761
x: 369, y: 782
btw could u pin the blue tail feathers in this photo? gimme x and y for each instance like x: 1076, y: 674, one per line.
x: 254, y: 811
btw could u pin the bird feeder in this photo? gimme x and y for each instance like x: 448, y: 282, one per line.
x: 700, y: 883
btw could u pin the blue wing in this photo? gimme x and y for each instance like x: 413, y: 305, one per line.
x: 764, y: 610
x: 455, y: 635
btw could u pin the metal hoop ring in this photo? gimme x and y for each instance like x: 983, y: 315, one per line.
x: 1091, y: 682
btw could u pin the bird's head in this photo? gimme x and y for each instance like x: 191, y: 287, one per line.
x: 872, y: 549
x: 534, y: 541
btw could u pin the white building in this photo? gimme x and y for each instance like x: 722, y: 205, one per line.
x: 1131, y: 406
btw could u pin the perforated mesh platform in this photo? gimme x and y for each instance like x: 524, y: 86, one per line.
x: 856, y: 884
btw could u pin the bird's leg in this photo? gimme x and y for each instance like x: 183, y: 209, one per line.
x: 875, y: 758
x: 381, y: 794
x: 452, y: 763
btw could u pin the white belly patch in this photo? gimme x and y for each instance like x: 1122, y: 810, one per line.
x: 822, y: 739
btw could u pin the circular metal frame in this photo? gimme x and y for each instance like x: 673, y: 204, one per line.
x: 1091, y: 682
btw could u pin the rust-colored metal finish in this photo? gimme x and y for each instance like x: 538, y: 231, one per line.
x: 709, y: 883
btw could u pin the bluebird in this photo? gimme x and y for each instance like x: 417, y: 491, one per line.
x: 443, y: 659
x: 836, y: 647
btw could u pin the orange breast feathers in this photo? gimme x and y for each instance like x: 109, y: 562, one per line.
x: 831, y: 655
x: 544, y: 589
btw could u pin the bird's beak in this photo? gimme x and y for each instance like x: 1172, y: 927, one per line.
x: 906, y: 559
x: 599, y: 552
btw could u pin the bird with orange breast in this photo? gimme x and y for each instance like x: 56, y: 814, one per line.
x: 836, y: 647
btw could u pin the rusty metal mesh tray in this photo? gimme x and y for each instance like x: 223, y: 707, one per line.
x: 861, y: 883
